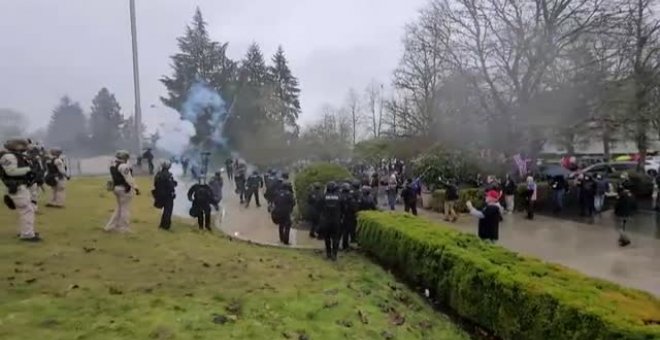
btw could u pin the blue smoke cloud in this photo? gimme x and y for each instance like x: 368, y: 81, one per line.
x: 201, y: 97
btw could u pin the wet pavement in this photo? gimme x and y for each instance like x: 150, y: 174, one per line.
x: 249, y: 224
x: 590, y: 248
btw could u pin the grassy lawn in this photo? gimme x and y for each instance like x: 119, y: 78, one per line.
x: 82, y: 283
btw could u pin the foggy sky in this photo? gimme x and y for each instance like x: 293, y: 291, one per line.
x: 50, y: 48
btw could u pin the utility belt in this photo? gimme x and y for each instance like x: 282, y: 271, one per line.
x: 13, y: 184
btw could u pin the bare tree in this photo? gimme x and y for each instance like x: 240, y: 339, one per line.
x: 640, y: 53
x: 354, y: 110
x: 375, y: 105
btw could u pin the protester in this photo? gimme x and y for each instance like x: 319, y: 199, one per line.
x: 587, y: 192
x: 451, y: 197
x: 509, y: 193
x: 530, y: 197
x: 409, y: 197
x: 623, y: 210
x: 559, y: 186
x: 489, y: 217
x: 392, y: 188
x: 229, y: 168
x: 602, y: 187
x: 331, y: 219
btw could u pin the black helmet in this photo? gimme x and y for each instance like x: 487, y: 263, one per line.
x: 285, y: 175
x: 287, y: 186
x: 345, y: 187
x: 317, y: 185
x: 331, y: 186
x: 355, y: 184
x: 366, y: 189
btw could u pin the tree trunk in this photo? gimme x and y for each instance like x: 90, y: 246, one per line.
x: 607, y: 140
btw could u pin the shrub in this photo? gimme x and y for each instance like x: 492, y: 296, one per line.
x: 318, y: 172
x: 476, y: 195
x: 446, y: 164
x: 515, y: 297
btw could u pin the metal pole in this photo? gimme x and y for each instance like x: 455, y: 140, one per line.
x: 136, y: 81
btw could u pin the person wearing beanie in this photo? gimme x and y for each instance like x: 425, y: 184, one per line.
x: 489, y: 217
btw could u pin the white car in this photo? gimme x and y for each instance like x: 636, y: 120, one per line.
x: 652, y: 166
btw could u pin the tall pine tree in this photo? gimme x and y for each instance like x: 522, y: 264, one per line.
x: 200, y: 59
x: 67, y: 128
x: 249, y: 111
x: 105, y: 122
x: 286, y: 91
x: 254, y: 72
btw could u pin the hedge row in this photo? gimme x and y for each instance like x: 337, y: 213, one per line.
x: 318, y: 172
x: 515, y: 297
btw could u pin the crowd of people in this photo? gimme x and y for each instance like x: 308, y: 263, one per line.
x: 25, y: 167
x: 332, y: 207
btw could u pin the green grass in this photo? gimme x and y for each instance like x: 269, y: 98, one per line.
x: 82, y: 283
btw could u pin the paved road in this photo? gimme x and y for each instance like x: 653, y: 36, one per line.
x: 589, y: 248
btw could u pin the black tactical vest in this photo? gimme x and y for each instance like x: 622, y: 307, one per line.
x: 118, y: 179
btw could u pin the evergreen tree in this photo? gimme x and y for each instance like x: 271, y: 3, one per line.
x: 200, y: 60
x: 105, y: 121
x: 253, y: 71
x: 67, y: 128
x: 286, y: 91
x: 249, y: 110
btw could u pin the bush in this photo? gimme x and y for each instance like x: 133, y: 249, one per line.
x: 318, y: 172
x: 515, y: 297
x: 445, y: 164
x: 476, y: 195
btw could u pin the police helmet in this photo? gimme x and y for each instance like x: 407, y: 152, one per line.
x: 166, y: 164
x: 355, y: 184
x: 345, y: 187
x: 122, y: 155
x: 16, y: 144
x: 331, y: 186
x: 55, y: 151
x: 285, y: 175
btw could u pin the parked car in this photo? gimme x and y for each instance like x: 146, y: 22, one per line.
x: 607, y: 169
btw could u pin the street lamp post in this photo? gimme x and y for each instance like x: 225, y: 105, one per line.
x: 136, y: 80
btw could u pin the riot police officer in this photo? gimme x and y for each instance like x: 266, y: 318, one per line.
x: 56, y: 178
x: 254, y: 183
x: 314, y: 199
x: 331, y: 206
x: 124, y: 187
x: 17, y: 175
x: 164, y: 194
x: 239, y: 179
x: 37, y: 163
x: 201, y: 196
x: 283, y: 203
x: 349, y: 215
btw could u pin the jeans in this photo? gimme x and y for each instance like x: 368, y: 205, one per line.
x: 599, y: 201
x: 508, y: 199
x: 391, y: 199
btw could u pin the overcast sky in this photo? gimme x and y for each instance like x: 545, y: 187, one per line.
x: 50, y: 48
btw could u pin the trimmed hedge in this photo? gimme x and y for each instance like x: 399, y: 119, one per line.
x: 318, y: 172
x: 514, y: 296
